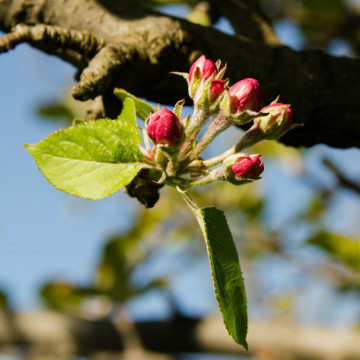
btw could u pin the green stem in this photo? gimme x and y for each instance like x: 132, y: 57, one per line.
x: 197, y: 121
x: 216, y: 127
x: 251, y: 137
x: 218, y: 159
x: 188, y: 199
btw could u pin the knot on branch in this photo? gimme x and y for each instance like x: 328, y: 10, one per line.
x: 97, y: 76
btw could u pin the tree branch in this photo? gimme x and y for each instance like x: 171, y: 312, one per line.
x: 320, y: 88
x: 82, y: 43
x: 247, y: 19
x: 54, y: 333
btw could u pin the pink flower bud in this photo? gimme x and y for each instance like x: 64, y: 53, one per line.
x: 163, y: 127
x: 248, y: 167
x: 205, y: 66
x: 240, y: 168
x: 277, y: 122
x: 288, y: 117
x: 245, y: 95
x: 216, y: 89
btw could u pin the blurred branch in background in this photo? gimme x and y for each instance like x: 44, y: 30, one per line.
x: 343, y: 180
x: 45, y: 333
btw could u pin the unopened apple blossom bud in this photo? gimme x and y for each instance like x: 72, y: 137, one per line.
x: 205, y: 67
x: 278, y: 121
x: 245, y: 95
x: 242, y: 168
x: 217, y: 87
x: 164, y: 127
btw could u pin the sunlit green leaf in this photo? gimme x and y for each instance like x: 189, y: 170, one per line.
x: 128, y: 112
x: 91, y: 160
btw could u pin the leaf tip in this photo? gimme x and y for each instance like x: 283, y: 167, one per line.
x: 29, y: 147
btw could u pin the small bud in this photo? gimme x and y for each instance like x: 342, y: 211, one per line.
x: 163, y: 127
x: 242, y: 168
x: 245, y: 95
x: 278, y: 121
x: 216, y: 89
x: 205, y: 66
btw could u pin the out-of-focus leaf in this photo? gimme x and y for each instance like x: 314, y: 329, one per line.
x: 323, y: 6
x: 319, y: 19
x: 113, y: 272
x: 63, y: 296
x: 55, y: 110
x: 339, y: 247
x: 3, y: 300
x: 156, y: 284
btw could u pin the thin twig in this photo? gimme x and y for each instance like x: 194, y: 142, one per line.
x: 65, y: 39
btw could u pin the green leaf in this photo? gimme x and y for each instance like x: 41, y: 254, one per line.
x: 143, y: 109
x: 91, y: 160
x: 225, y: 267
x: 128, y: 112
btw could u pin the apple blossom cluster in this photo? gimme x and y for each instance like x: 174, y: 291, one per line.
x: 178, y: 145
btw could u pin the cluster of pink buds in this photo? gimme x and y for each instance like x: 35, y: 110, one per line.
x: 177, y: 147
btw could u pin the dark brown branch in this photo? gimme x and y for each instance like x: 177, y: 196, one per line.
x: 247, y: 19
x: 320, y: 88
x: 96, y: 77
x: 64, y: 39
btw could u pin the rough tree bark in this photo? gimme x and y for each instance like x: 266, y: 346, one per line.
x: 137, y: 48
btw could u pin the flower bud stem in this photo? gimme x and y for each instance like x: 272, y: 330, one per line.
x: 218, y: 159
x: 188, y: 199
x: 172, y: 167
x: 186, y: 183
x: 216, y: 127
x: 251, y: 137
x: 197, y: 121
